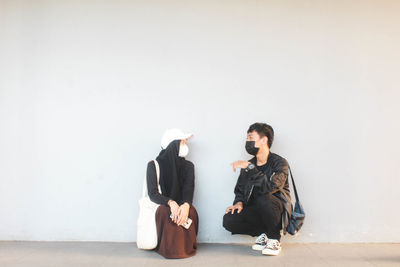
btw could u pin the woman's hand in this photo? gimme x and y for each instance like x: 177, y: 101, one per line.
x: 174, y: 207
x: 183, y: 213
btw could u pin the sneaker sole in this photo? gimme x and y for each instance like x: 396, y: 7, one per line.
x: 270, y: 252
x: 258, y: 247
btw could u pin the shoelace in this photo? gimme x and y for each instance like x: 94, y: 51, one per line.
x: 273, y: 244
x: 261, y: 239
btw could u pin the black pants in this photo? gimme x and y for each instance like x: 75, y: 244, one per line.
x: 262, y: 215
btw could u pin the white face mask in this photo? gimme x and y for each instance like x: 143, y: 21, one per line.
x: 183, y: 150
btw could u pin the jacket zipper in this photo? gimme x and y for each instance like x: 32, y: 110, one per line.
x: 251, y: 191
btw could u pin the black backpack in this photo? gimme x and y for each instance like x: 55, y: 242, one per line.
x: 297, y: 219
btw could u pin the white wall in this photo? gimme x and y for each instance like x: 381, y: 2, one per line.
x: 87, y: 89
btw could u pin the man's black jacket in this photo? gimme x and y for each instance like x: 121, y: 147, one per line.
x: 274, y: 180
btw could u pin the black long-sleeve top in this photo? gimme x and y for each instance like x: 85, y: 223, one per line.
x: 186, y: 177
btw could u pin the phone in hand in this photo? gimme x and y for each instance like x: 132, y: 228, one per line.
x: 185, y: 225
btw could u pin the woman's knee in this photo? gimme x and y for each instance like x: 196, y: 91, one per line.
x: 163, y: 210
x: 193, y: 214
x: 192, y: 211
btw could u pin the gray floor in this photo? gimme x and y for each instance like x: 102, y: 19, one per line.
x: 126, y: 254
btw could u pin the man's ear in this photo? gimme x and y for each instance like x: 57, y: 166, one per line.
x: 265, y: 140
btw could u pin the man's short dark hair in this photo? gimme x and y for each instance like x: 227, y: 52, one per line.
x: 263, y: 129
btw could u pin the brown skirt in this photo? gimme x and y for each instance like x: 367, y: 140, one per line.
x: 176, y: 242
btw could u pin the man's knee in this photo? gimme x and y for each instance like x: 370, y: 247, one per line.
x: 227, y: 221
x: 269, y: 205
x: 267, y: 201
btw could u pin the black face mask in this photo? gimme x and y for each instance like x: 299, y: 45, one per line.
x: 250, y: 148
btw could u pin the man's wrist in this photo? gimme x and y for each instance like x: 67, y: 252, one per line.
x: 247, y: 164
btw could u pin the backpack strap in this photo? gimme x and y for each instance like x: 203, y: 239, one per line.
x: 294, y: 185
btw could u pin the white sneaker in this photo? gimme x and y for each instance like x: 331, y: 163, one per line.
x: 272, y: 248
x: 261, y: 242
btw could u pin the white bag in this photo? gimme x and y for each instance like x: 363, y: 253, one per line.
x: 146, y: 237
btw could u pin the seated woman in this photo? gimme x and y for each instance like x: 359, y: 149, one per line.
x: 175, y: 199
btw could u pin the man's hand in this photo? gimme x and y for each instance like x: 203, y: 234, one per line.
x: 183, y: 213
x: 174, y: 210
x: 239, y: 164
x: 238, y: 206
